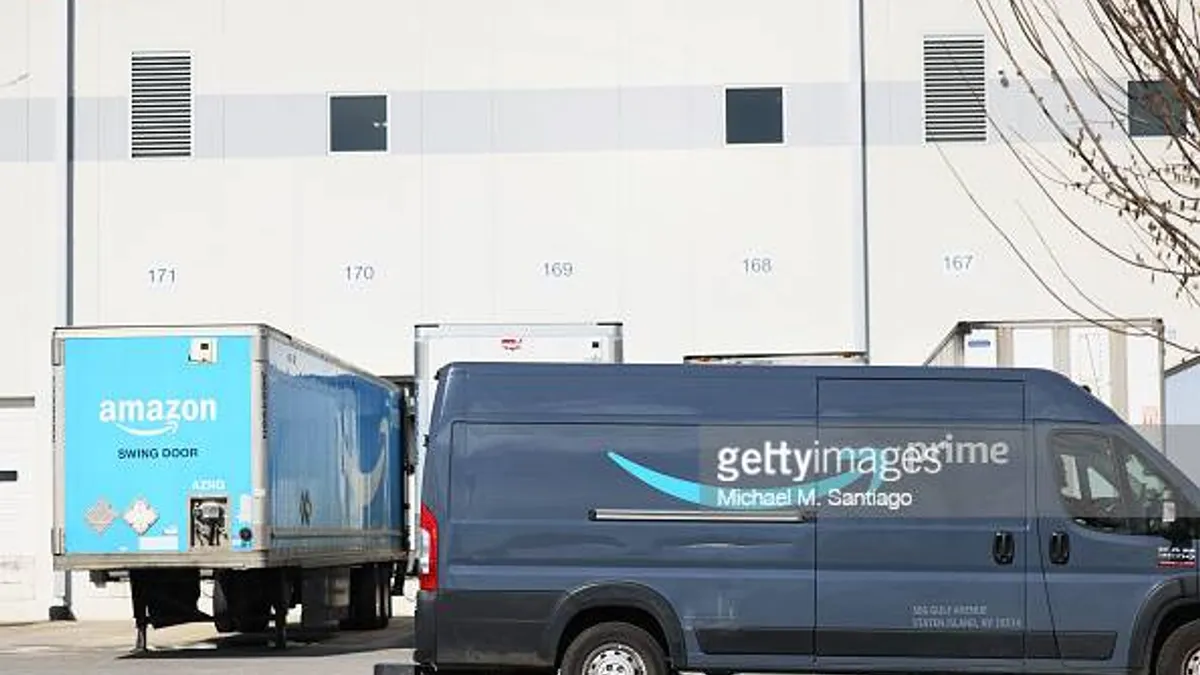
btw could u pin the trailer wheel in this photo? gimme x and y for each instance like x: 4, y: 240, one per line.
x: 255, y: 625
x: 358, y: 614
x: 1180, y: 653
x: 240, y: 604
x: 222, y: 619
x: 614, y: 648
x: 370, y: 598
x: 383, y: 577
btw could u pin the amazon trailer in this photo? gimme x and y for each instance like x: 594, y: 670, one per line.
x: 234, y: 452
x: 1120, y: 361
x: 437, y: 345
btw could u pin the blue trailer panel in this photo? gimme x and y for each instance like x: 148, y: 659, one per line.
x: 144, y: 428
x: 334, y: 456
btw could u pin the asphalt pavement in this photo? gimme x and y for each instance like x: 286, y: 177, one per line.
x: 103, y: 648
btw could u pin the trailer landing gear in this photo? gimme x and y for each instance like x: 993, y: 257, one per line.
x: 163, y: 598
x: 140, y: 620
x: 282, y: 603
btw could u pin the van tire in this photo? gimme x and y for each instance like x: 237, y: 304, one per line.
x: 616, y: 635
x: 1181, y: 645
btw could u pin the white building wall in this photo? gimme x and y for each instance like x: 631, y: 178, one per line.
x: 919, y: 213
x: 30, y: 202
x: 549, y: 133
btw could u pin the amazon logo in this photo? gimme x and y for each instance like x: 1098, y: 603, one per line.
x: 156, y: 416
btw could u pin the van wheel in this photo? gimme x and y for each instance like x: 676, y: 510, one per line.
x: 1180, y: 653
x: 614, y: 648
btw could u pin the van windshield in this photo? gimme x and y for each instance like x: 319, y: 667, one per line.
x: 1147, y: 488
x: 1105, y: 484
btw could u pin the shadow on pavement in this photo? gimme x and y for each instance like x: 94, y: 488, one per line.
x: 301, y: 643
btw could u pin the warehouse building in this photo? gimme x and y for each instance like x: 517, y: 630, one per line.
x: 758, y: 176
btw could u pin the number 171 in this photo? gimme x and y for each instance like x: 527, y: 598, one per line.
x: 161, y: 275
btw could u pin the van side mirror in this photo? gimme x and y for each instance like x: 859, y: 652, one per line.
x: 1180, y: 532
x: 1168, y: 511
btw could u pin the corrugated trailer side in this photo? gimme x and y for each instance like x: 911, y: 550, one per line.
x: 335, y: 460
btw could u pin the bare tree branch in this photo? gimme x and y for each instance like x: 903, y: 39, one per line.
x: 1133, y: 330
x: 1124, y: 71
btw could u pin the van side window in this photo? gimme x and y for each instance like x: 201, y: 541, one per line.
x: 1089, y: 481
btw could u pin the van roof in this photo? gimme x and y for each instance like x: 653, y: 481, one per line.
x: 493, y: 391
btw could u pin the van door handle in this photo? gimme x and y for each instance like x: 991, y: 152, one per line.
x: 1060, y: 548
x: 1003, y: 548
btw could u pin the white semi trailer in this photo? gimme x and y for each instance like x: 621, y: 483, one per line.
x: 1119, y: 361
x: 785, y: 359
x: 439, y: 344
x: 1182, y: 415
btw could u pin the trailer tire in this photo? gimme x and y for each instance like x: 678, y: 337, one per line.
x: 239, y: 604
x: 222, y: 621
x: 383, y: 580
x: 370, y: 587
x: 255, y: 626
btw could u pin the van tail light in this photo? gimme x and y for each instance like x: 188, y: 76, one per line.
x: 427, y: 562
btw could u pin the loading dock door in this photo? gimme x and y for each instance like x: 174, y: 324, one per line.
x: 21, y: 537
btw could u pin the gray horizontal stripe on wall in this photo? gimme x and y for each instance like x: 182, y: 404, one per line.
x: 515, y: 121
x: 467, y: 122
x: 27, y: 129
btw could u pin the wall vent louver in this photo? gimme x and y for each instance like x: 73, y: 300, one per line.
x: 955, y: 89
x: 160, y: 107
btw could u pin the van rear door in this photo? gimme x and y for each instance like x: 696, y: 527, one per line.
x: 1103, y: 562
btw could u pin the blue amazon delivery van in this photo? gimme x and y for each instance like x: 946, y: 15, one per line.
x: 644, y: 519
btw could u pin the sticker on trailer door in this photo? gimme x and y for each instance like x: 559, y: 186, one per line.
x: 145, y: 425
